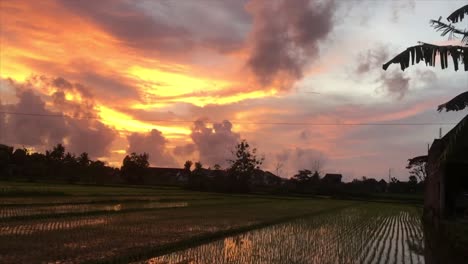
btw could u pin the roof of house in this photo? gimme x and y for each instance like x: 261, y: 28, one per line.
x: 159, y: 170
x: 333, y: 175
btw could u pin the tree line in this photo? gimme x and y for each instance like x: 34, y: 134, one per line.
x: 243, y: 174
x: 53, y: 165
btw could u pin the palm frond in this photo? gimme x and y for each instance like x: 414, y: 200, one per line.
x: 428, y: 53
x: 449, y: 29
x: 458, y: 103
x: 458, y: 15
x: 457, y: 139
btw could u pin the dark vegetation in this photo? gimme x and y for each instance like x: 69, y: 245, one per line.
x: 243, y: 175
x: 54, y: 165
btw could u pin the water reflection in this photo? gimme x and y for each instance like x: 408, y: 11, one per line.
x: 351, y: 236
x: 21, y: 211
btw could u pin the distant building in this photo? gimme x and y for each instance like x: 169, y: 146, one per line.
x: 331, y: 178
x: 165, y: 176
x: 382, y: 186
x: 265, y: 178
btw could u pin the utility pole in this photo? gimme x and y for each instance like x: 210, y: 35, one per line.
x: 440, y: 133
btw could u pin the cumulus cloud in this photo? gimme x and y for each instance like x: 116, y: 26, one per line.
x: 32, y: 130
x: 40, y: 125
x: 185, y: 150
x: 214, y: 143
x: 286, y: 37
x: 90, y: 136
x: 153, y: 143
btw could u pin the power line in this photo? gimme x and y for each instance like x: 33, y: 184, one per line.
x: 240, y: 122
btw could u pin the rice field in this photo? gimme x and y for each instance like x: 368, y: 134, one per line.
x: 167, y: 225
x: 361, y: 234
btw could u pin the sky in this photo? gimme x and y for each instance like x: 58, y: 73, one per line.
x: 301, y: 81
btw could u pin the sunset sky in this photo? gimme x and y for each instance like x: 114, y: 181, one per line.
x: 188, y: 79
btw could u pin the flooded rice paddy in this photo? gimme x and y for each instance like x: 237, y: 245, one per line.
x: 184, y: 227
x: 364, y: 234
x: 24, y: 211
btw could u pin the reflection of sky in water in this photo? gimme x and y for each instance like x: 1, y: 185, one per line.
x: 28, y: 229
x: 347, y: 237
x: 8, y: 212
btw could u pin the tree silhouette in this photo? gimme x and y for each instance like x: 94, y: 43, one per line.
x: 303, y: 176
x: 84, y: 160
x: 57, y: 153
x: 243, y: 167
x: 418, y: 167
x: 188, y: 165
x: 428, y: 52
x: 134, y: 167
x: 198, y: 166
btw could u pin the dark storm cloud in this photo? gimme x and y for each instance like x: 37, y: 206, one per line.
x: 31, y: 130
x: 153, y: 143
x: 129, y: 24
x: 90, y: 136
x: 214, y: 143
x: 371, y: 60
x: 395, y: 84
x: 168, y: 26
x: 109, y: 87
x: 79, y: 133
x: 286, y: 36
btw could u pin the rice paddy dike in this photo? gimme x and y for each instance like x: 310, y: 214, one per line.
x: 51, y: 223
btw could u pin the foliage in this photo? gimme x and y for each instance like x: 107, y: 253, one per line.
x: 188, y: 165
x: 198, y: 166
x: 243, y: 166
x: 303, y: 176
x: 54, y: 165
x: 458, y: 14
x: 134, y: 167
x: 244, y: 174
x: 458, y: 103
x: 428, y: 53
x: 418, y: 168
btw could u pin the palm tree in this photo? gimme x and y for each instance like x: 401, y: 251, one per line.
x: 428, y: 52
